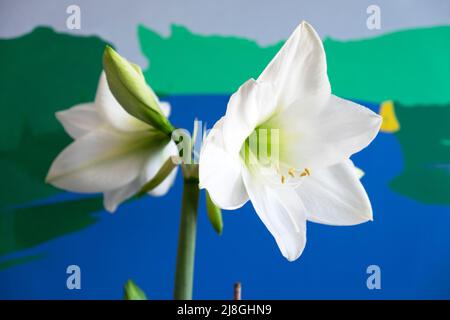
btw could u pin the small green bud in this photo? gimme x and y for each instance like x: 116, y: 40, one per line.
x: 133, y: 292
x: 128, y: 86
x: 214, y: 214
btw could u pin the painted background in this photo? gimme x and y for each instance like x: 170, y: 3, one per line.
x: 195, y: 54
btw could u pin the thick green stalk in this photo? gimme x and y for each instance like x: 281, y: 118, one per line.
x: 184, y: 276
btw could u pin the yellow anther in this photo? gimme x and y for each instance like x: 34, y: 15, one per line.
x: 292, y: 172
x: 305, y: 172
x: 283, y: 179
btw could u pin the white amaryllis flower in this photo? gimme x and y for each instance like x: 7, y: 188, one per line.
x: 113, y: 152
x: 314, y: 134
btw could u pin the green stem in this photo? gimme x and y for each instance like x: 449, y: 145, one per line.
x: 184, y: 275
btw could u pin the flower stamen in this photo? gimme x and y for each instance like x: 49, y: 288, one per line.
x: 305, y: 173
x: 292, y: 172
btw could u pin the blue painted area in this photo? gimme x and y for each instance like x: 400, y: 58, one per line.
x: 408, y: 240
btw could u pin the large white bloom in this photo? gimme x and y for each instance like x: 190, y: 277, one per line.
x: 314, y: 133
x: 113, y: 152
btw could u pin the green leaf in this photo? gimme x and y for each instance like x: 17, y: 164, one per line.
x: 133, y: 292
x: 159, y: 177
x: 214, y: 214
x: 128, y: 86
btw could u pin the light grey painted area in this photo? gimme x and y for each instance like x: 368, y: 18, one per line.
x: 264, y: 21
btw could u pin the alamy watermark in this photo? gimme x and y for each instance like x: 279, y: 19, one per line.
x: 73, y: 21
x: 373, y: 21
x: 374, y: 280
x: 73, y: 281
x: 262, y: 146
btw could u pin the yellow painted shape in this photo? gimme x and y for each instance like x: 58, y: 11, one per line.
x: 387, y: 112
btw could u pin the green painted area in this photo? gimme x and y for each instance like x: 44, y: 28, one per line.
x: 187, y: 63
x: 445, y: 142
x: 41, y: 73
x: 25, y: 227
x: 410, y: 66
x: 17, y: 261
x: 426, y: 174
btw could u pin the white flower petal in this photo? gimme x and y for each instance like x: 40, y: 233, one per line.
x: 112, y: 112
x: 80, y: 119
x: 220, y: 171
x: 335, y: 196
x: 112, y: 199
x: 252, y: 104
x: 153, y: 162
x: 299, y: 69
x: 317, y: 133
x: 282, y: 212
x: 359, y: 172
x: 100, y: 161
